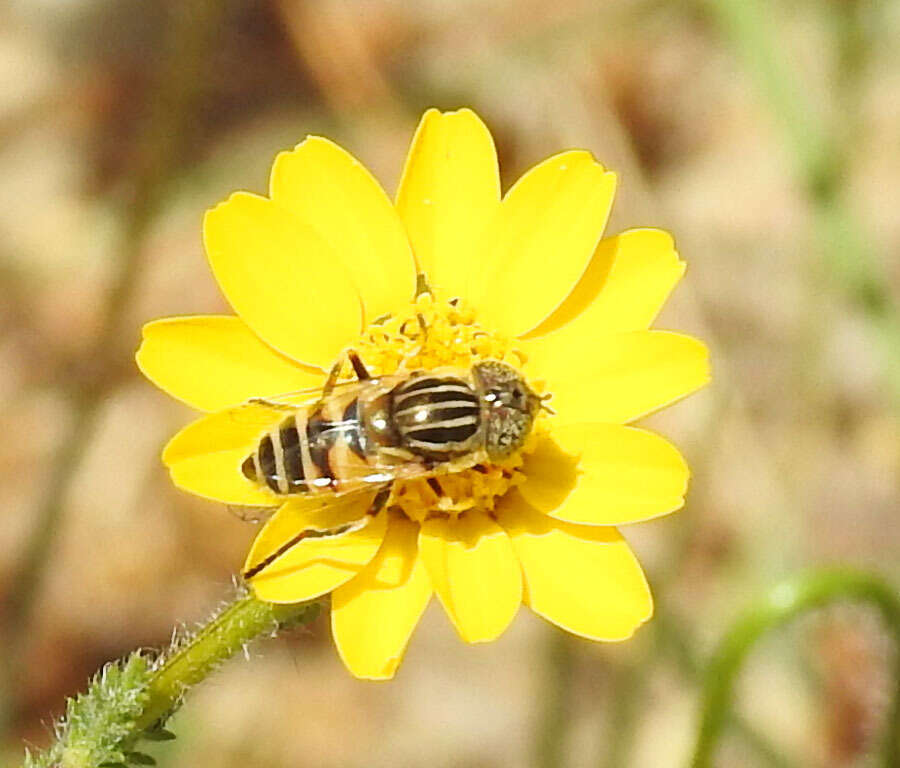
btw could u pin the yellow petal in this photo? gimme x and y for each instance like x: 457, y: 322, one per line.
x: 315, y: 565
x: 449, y: 191
x: 213, y: 362
x: 618, y: 378
x: 584, y: 579
x: 374, y: 614
x: 205, y: 457
x: 604, y: 474
x: 330, y: 189
x: 541, y: 241
x: 624, y: 287
x: 218, y: 476
x: 282, y: 278
x: 474, y: 572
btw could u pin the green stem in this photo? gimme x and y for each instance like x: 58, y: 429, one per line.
x: 821, y: 160
x: 752, y: 29
x: 628, y: 687
x: 555, y: 718
x: 230, y: 631
x: 671, y: 638
x: 779, y: 606
x: 131, y: 699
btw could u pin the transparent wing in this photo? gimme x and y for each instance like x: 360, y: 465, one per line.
x: 353, y: 478
x: 257, y: 417
x: 313, y: 394
x: 322, y: 500
x: 288, y: 402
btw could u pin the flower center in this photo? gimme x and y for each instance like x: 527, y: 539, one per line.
x: 431, y: 334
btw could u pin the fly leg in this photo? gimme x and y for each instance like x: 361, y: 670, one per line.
x: 359, y: 368
x: 272, y: 404
x: 327, y: 389
x: 331, y: 380
x: 422, y: 285
x: 378, y: 503
x: 380, y: 500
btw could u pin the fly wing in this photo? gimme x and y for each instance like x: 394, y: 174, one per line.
x: 348, y: 478
x: 289, y: 402
x: 345, y: 470
x: 356, y: 487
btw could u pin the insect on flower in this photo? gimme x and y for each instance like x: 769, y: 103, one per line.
x: 404, y: 427
x: 450, y: 413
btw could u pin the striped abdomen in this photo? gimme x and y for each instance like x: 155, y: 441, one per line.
x: 297, y: 456
x: 437, y: 417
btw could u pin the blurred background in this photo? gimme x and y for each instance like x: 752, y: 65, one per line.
x: 764, y: 134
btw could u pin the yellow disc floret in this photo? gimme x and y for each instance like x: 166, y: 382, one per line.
x: 431, y: 334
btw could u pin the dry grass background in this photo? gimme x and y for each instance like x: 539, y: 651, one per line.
x: 121, y: 121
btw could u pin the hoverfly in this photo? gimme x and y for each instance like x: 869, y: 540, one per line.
x: 366, y: 434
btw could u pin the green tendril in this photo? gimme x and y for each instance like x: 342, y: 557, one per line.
x: 779, y: 606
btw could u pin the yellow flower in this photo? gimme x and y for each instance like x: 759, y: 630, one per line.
x: 326, y: 263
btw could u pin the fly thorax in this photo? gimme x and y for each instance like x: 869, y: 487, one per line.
x: 437, y: 417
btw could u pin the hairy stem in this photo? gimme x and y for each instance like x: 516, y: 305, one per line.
x: 131, y: 699
x: 779, y: 606
x: 242, y: 621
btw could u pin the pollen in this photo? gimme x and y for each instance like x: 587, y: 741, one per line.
x: 433, y: 334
